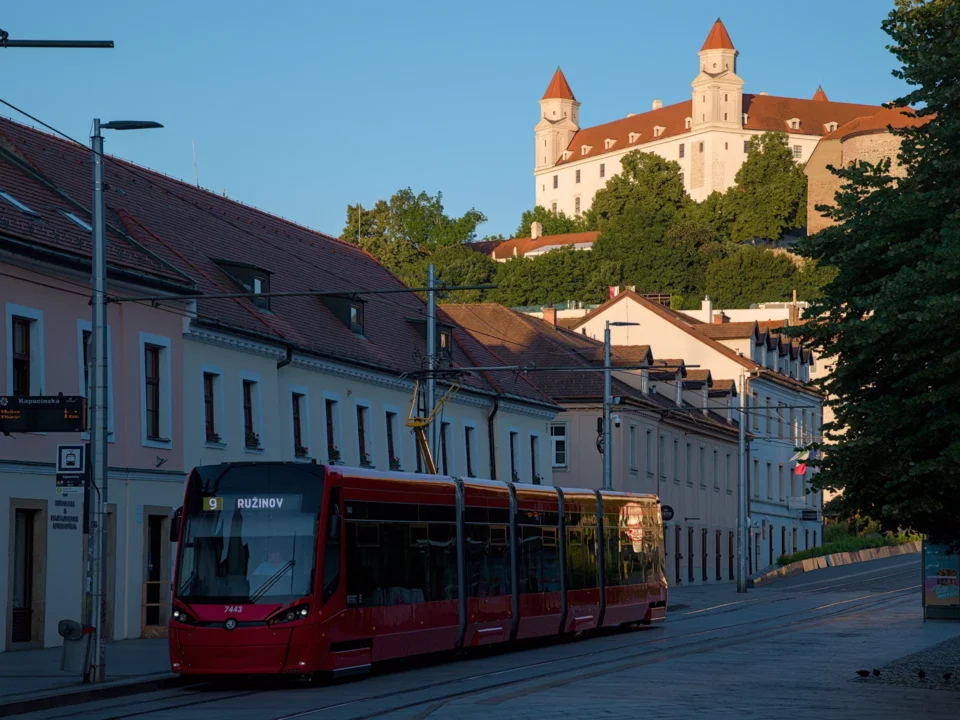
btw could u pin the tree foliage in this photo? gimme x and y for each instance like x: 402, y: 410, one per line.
x: 554, y: 277
x: 649, y: 189
x: 554, y: 223
x: 888, y: 317
x: 770, y: 194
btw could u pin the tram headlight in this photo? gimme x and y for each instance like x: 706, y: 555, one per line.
x: 299, y: 612
x: 182, y: 617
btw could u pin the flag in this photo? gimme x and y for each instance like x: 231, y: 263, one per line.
x: 800, y: 469
x: 801, y: 456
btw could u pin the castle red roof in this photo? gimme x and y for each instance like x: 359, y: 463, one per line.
x: 505, y: 250
x: 718, y: 39
x: 820, y: 95
x: 558, y: 88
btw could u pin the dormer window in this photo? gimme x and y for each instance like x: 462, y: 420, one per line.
x: 658, y: 130
x: 830, y: 126
x: 254, y: 280
x: 444, y: 336
x: 446, y: 344
x: 688, y: 123
x: 584, y: 149
x: 356, y: 317
x: 76, y: 220
x: 567, y: 154
x: 348, y: 309
x: 19, y: 205
x: 608, y: 143
x: 633, y: 137
x: 793, y: 123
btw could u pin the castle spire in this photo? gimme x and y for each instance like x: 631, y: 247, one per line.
x: 718, y: 39
x: 558, y: 89
x: 820, y: 95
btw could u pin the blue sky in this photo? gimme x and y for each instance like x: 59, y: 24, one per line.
x: 300, y: 107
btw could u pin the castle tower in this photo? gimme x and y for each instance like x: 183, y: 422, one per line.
x: 717, y: 89
x: 559, y: 121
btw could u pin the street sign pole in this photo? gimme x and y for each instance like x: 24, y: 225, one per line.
x: 742, y: 492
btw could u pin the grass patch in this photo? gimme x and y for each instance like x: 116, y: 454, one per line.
x: 849, y: 543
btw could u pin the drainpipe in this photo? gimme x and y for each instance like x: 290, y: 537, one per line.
x: 288, y: 359
x: 492, y: 438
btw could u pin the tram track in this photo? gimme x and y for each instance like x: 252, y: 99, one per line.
x: 664, y: 648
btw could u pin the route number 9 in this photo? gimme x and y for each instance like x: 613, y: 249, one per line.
x: 212, y: 504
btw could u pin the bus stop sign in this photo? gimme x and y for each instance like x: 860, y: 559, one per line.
x: 42, y: 413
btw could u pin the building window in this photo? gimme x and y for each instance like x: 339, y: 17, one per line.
x: 681, y: 177
x: 701, y: 147
x: 578, y: 176
x: 780, y: 421
x: 756, y: 411
x: 681, y: 149
x: 783, y: 495
x: 209, y: 408
x: 514, y: 475
x: 558, y: 442
x: 769, y: 415
x: 756, y: 478
x: 251, y: 438
x: 689, y: 459
x: 553, y: 207
x: 363, y: 444
x: 769, y: 481
x: 392, y: 457
x: 716, y: 471
x: 298, y: 402
x: 468, y: 444
x: 151, y: 363
x: 331, y: 414
x: 649, y: 452
x: 724, y: 116
x: 797, y: 152
x: 726, y: 145
x: 21, y: 356
x: 356, y: 318
x: 726, y: 473
x: 576, y: 205
x: 444, y: 451
x: 703, y: 468
x: 746, y: 146
x: 603, y: 170
x: 556, y: 181
x: 534, y: 454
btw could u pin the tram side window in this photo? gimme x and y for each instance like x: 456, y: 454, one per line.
x: 582, y: 551
x: 331, y: 552
x: 488, y: 560
x: 539, y: 559
x: 399, y: 563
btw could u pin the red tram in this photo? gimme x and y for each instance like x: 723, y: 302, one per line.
x: 299, y: 568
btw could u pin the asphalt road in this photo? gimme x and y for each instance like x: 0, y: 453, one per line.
x: 790, y: 650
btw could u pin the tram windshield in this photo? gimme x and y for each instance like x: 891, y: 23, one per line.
x: 249, y: 534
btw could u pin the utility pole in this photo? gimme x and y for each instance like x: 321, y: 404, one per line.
x: 432, y: 353
x: 607, y: 404
x: 98, y: 436
x: 742, y: 491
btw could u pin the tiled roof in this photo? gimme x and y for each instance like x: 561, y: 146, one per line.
x: 877, y: 122
x: 524, y: 339
x: 568, y: 323
x: 738, y: 330
x: 485, y: 247
x: 186, y: 228
x: 505, y: 250
x: 698, y: 376
x: 718, y: 38
x: 764, y: 112
x: 723, y: 387
x: 558, y: 88
x: 820, y: 95
x: 630, y: 293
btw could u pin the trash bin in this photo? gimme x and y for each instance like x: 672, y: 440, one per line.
x: 76, y: 646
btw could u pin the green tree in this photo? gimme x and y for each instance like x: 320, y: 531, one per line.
x: 554, y: 223
x: 770, y: 194
x: 554, y: 277
x: 750, y: 275
x: 459, y: 265
x: 649, y: 188
x: 888, y: 317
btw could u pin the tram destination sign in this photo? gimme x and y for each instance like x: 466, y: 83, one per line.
x: 42, y: 413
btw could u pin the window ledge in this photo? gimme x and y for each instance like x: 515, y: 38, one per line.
x: 159, y: 443
x: 729, y: 492
x: 303, y: 459
x: 561, y: 468
x: 215, y: 445
x: 253, y: 450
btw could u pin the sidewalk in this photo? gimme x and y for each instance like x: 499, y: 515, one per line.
x: 34, y: 677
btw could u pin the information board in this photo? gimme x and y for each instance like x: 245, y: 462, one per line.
x: 941, y: 581
x: 42, y: 413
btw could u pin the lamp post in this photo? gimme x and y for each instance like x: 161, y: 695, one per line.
x: 98, y: 391
x: 607, y: 404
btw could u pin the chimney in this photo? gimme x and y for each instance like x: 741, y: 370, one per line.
x: 536, y: 230
x: 719, y: 318
x: 645, y: 381
x: 679, y: 396
x: 762, y: 92
x: 657, y: 104
x: 550, y: 315
x: 630, y: 114
x: 706, y: 398
x: 706, y: 307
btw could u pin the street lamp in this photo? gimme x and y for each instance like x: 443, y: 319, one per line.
x: 98, y: 392
x: 607, y: 403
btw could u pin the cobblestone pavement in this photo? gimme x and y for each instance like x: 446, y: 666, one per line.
x: 786, y: 651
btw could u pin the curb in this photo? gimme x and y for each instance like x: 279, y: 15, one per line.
x: 834, y: 560
x: 87, y: 693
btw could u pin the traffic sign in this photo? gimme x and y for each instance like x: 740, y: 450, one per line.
x: 667, y: 513
x: 72, y: 468
x: 42, y: 413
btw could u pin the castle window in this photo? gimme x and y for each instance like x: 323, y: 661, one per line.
x: 608, y: 143
x: 603, y: 170
x: 726, y: 146
x: 724, y: 97
x: 793, y: 123
x: 576, y: 205
x: 681, y: 177
x: 556, y: 182
x: 658, y: 130
x: 578, y: 176
x: 681, y: 149
x: 688, y: 123
x: 830, y: 126
x: 553, y: 207
x: 797, y: 152
x: 746, y: 146
x: 701, y: 147
x: 633, y: 137
x: 724, y: 116
x: 744, y: 118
